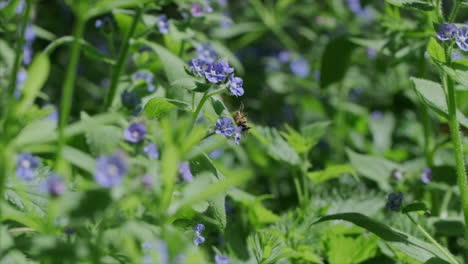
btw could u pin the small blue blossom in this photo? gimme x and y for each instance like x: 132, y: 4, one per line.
x: 447, y: 31
x: 26, y: 166
x: 184, y: 171
x: 206, y: 53
x: 354, y: 6
x: 135, y: 132
x: 219, y: 259
x: 300, y: 67
x: 197, y: 10
x: 462, y: 38
x: 226, y: 20
x: 394, y: 201
x: 3, y: 4
x: 377, y: 115
x: 147, y: 180
x: 225, y: 127
x: 371, y: 53
x: 98, y: 23
x: 426, y: 175
x: 53, y: 185
x: 235, y: 85
x: 216, y: 153
x: 214, y: 73
x: 284, y: 56
x: 20, y: 7
x: 456, y: 55
x: 398, y: 175
x: 226, y: 68
x: 54, y: 116
x: 197, y: 66
x: 143, y: 75
x: 110, y: 170
x: 199, y: 239
x: 151, y: 151
x: 163, y: 24
x: 130, y: 98
x: 238, y: 135
x: 161, y: 249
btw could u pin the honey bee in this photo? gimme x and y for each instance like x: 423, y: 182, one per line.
x: 240, y: 118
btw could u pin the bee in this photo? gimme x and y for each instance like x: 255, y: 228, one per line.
x: 240, y: 118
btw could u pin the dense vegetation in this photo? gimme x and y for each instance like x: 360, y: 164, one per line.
x: 243, y: 131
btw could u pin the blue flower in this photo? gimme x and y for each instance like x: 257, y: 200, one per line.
x: 135, y: 132
x: 214, y: 73
x: 226, y: 68
x: 130, y: 98
x: 163, y: 24
x: 199, y: 239
x: 354, y: 6
x: 206, y: 53
x: 216, y: 153
x: 377, y: 115
x: 53, y: 185
x: 238, y: 135
x: 184, y: 171
x: 235, y: 85
x: 143, y: 75
x: 197, y: 66
x: 26, y: 166
x: 426, y: 175
x: 371, y: 53
x: 225, y: 127
x: 110, y: 170
x: 162, y: 252
x: 284, y: 56
x: 462, y: 38
x: 219, y: 259
x: 196, y: 10
x: 147, y: 180
x: 300, y: 67
x: 20, y: 7
x: 98, y: 23
x: 394, y: 201
x: 151, y: 151
x: 446, y: 31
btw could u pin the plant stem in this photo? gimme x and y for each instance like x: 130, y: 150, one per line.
x: 202, y: 102
x: 433, y: 241
x: 117, y: 69
x: 69, y: 84
x: 454, y: 12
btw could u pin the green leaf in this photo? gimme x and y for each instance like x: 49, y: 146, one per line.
x: 335, y: 61
x: 348, y: 250
x: 103, y: 139
x: 276, y: 146
x: 406, y: 243
x: 420, y: 5
x: 331, y: 172
x: 78, y: 158
x: 313, y: 132
x: 105, y: 6
x: 415, y: 207
x: 157, y: 108
x: 124, y: 21
x: 436, y: 51
x: 432, y: 94
x: 37, y: 75
x: 449, y: 227
x: 374, y: 168
x: 90, y: 203
x: 382, y: 132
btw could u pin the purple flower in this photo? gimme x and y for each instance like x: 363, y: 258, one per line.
x: 300, y: 67
x: 98, y: 23
x: 284, y: 56
x: 53, y: 185
x: 214, y: 73
x: 206, y: 53
x: 235, y: 86
x: 354, y: 6
x: 54, y: 116
x: 462, y: 38
x: 394, y: 201
x: 110, y: 170
x: 196, y: 10
x: 225, y: 127
x: 446, y: 31
x: 151, y: 151
x: 456, y: 55
x: 163, y: 24
x: 129, y: 98
x: 143, y: 75
x: 199, y: 239
x: 216, y: 153
x: 20, y: 7
x: 197, y: 66
x: 3, y: 4
x: 147, y: 180
x: 238, y: 135
x: 184, y: 171
x: 26, y: 166
x: 376, y: 115
x: 426, y: 175
x: 135, y: 132
x: 219, y: 259
x: 371, y: 53
x: 226, y: 68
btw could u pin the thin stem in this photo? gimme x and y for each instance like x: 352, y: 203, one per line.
x: 202, y: 102
x: 433, y: 241
x: 69, y: 84
x: 117, y: 69
x: 454, y: 12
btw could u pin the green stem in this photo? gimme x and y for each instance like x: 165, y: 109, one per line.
x: 454, y: 12
x: 69, y: 84
x: 202, y: 102
x: 117, y: 69
x: 433, y: 241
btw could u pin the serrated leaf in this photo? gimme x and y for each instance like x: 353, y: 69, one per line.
x: 276, y: 146
x: 420, y: 5
x: 432, y: 94
x: 103, y: 139
x: 435, y: 50
x: 157, y: 107
x: 79, y: 158
x: 331, y: 172
x: 374, y: 168
x: 406, y: 243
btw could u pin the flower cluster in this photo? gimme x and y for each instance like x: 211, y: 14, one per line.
x: 199, y: 239
x: 226, y: 127
x: 450, y: 31
x: 53, y: 185
x: 26, y: 166
x: 394, y: 201
x: 215, y: 71
x: 426, y: 175
x: 163, y: 24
